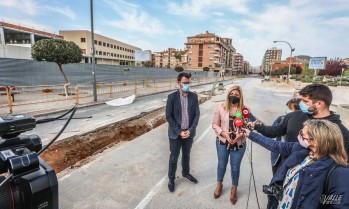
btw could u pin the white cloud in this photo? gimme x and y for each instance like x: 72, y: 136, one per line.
x: 133, y: 19
x: 314, y: 29
x: 24, y: 6
x: 33, y: 8
x: 206, y: 8
x: 66, y: 11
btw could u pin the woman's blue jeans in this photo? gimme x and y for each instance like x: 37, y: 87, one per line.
x: 235, y: 161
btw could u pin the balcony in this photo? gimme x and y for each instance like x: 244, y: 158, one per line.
x: 217, y: 55
x: 217, y: 48
x: 216, y: 61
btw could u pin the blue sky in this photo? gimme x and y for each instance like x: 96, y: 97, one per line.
x: 313, y: 27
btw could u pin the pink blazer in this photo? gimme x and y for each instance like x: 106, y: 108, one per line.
x: 221, y: 123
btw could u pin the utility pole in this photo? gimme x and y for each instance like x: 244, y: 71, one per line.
x: 93, y: 54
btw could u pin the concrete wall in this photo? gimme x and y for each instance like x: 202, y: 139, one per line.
x: 15, y: 52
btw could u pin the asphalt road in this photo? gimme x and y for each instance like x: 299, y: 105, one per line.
x: 134, y: 174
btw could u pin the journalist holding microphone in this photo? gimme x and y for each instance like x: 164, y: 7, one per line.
x: 229, y: 141
x: 315, y: 173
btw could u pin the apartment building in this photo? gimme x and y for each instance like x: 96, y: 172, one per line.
x: 107, y: 50
x: 270, y: 56
x: 16, y: 40
x: 246, y: 69
x: 209, y: 50
x: 238, y: 66
x: 171, y: 58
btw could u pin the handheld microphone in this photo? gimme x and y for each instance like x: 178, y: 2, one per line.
x: 246, y: 114
x: 238, y: 123
x: 238, y: 114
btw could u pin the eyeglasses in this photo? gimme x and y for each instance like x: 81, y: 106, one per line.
x: 302, y: 137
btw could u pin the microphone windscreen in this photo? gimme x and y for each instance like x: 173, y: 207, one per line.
x: 238, y: 122
x: 238, y: 114
x: 246, y: 112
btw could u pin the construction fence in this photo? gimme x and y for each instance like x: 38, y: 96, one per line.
x: 25, y: 95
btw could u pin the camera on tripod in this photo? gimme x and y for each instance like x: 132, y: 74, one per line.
x: 274, y: 190
x: 32, y: 183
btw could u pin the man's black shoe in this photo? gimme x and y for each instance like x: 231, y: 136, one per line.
x: 191, y: 178
x: 171, y: 185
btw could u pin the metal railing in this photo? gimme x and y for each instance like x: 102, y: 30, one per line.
x: 26, y: 95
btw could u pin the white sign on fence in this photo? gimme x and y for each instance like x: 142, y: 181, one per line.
x: 317, y: 63
x: 142, y: 56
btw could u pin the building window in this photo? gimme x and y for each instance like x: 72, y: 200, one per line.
x: 111, y: 46
x: 96, y: 41
x: 107, y: 45
x: 104, y: 53
x: 100, y: 53
x: 118, y: 47
x: 104, y: 44
x: 100, y: 43
x: 112, y: 55
x: 83, y: 40
x: 114, y: 46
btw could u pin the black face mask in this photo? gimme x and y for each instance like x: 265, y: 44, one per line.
x: 234, y: 99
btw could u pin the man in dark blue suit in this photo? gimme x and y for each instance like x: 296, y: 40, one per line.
x: 182, y: 114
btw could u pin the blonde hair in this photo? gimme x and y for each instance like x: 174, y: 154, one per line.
x: 329, y: 140
x: 227, y: 102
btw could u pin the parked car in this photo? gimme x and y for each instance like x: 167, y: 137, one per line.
x: 13, y: 91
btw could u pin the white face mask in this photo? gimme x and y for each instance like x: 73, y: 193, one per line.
x: 303, y: 142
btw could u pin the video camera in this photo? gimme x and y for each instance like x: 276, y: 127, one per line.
x: 31, y: 182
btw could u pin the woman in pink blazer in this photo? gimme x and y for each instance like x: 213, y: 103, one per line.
x: 229, y: 141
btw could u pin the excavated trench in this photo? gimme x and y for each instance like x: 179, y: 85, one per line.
x: 75, y: 151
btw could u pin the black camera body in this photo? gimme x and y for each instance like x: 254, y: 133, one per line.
x: 33, y: 183
x: 274, y: 190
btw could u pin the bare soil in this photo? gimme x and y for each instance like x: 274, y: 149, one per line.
x: 76, y: 151
x: 66, y: 153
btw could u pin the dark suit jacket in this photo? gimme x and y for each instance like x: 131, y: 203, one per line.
x: 174, y: 114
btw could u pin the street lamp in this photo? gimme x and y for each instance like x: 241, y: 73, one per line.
x: 289, y: 66
x: 93, y: 54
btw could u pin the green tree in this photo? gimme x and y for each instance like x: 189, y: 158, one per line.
x: 206, y: 69
x: 58, y: 51
x: 179, y: 69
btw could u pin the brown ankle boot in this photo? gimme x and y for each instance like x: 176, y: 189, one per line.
x: 233, y: 195
x: 218, y: 190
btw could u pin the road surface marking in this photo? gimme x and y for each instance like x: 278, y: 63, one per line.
x: 156, y: 188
